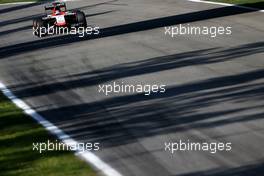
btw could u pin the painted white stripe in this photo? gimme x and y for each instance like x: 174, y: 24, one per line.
x: 21, y: 3
x: 16, y: 3
x: 226, y: 4
x: 86, y: 155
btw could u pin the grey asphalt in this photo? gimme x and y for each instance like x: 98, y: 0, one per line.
x: 215, y: 86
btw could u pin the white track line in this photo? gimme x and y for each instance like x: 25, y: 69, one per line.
x: 86, y: 155
x: 226, y: 4
x: 16, y: 3
x: 21, y: 3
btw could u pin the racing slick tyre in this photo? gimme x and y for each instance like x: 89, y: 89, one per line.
x: 39, y: 27
x: 80, y: 18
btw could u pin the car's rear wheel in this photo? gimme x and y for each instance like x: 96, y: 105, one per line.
x: 80, y: 18
x: 39, y: 27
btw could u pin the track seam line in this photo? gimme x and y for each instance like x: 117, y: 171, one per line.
x: 88, y: 156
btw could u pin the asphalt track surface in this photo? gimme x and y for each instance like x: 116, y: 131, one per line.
x: 215, y: 86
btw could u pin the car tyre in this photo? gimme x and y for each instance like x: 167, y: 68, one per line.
x: 81, y: 19
x: 38, y: 26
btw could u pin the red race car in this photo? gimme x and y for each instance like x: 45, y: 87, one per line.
x: 58, y: 16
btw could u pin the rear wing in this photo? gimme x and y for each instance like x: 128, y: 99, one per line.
x: 50, y: 6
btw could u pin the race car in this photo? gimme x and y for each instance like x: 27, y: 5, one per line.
x: 58, y: 16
